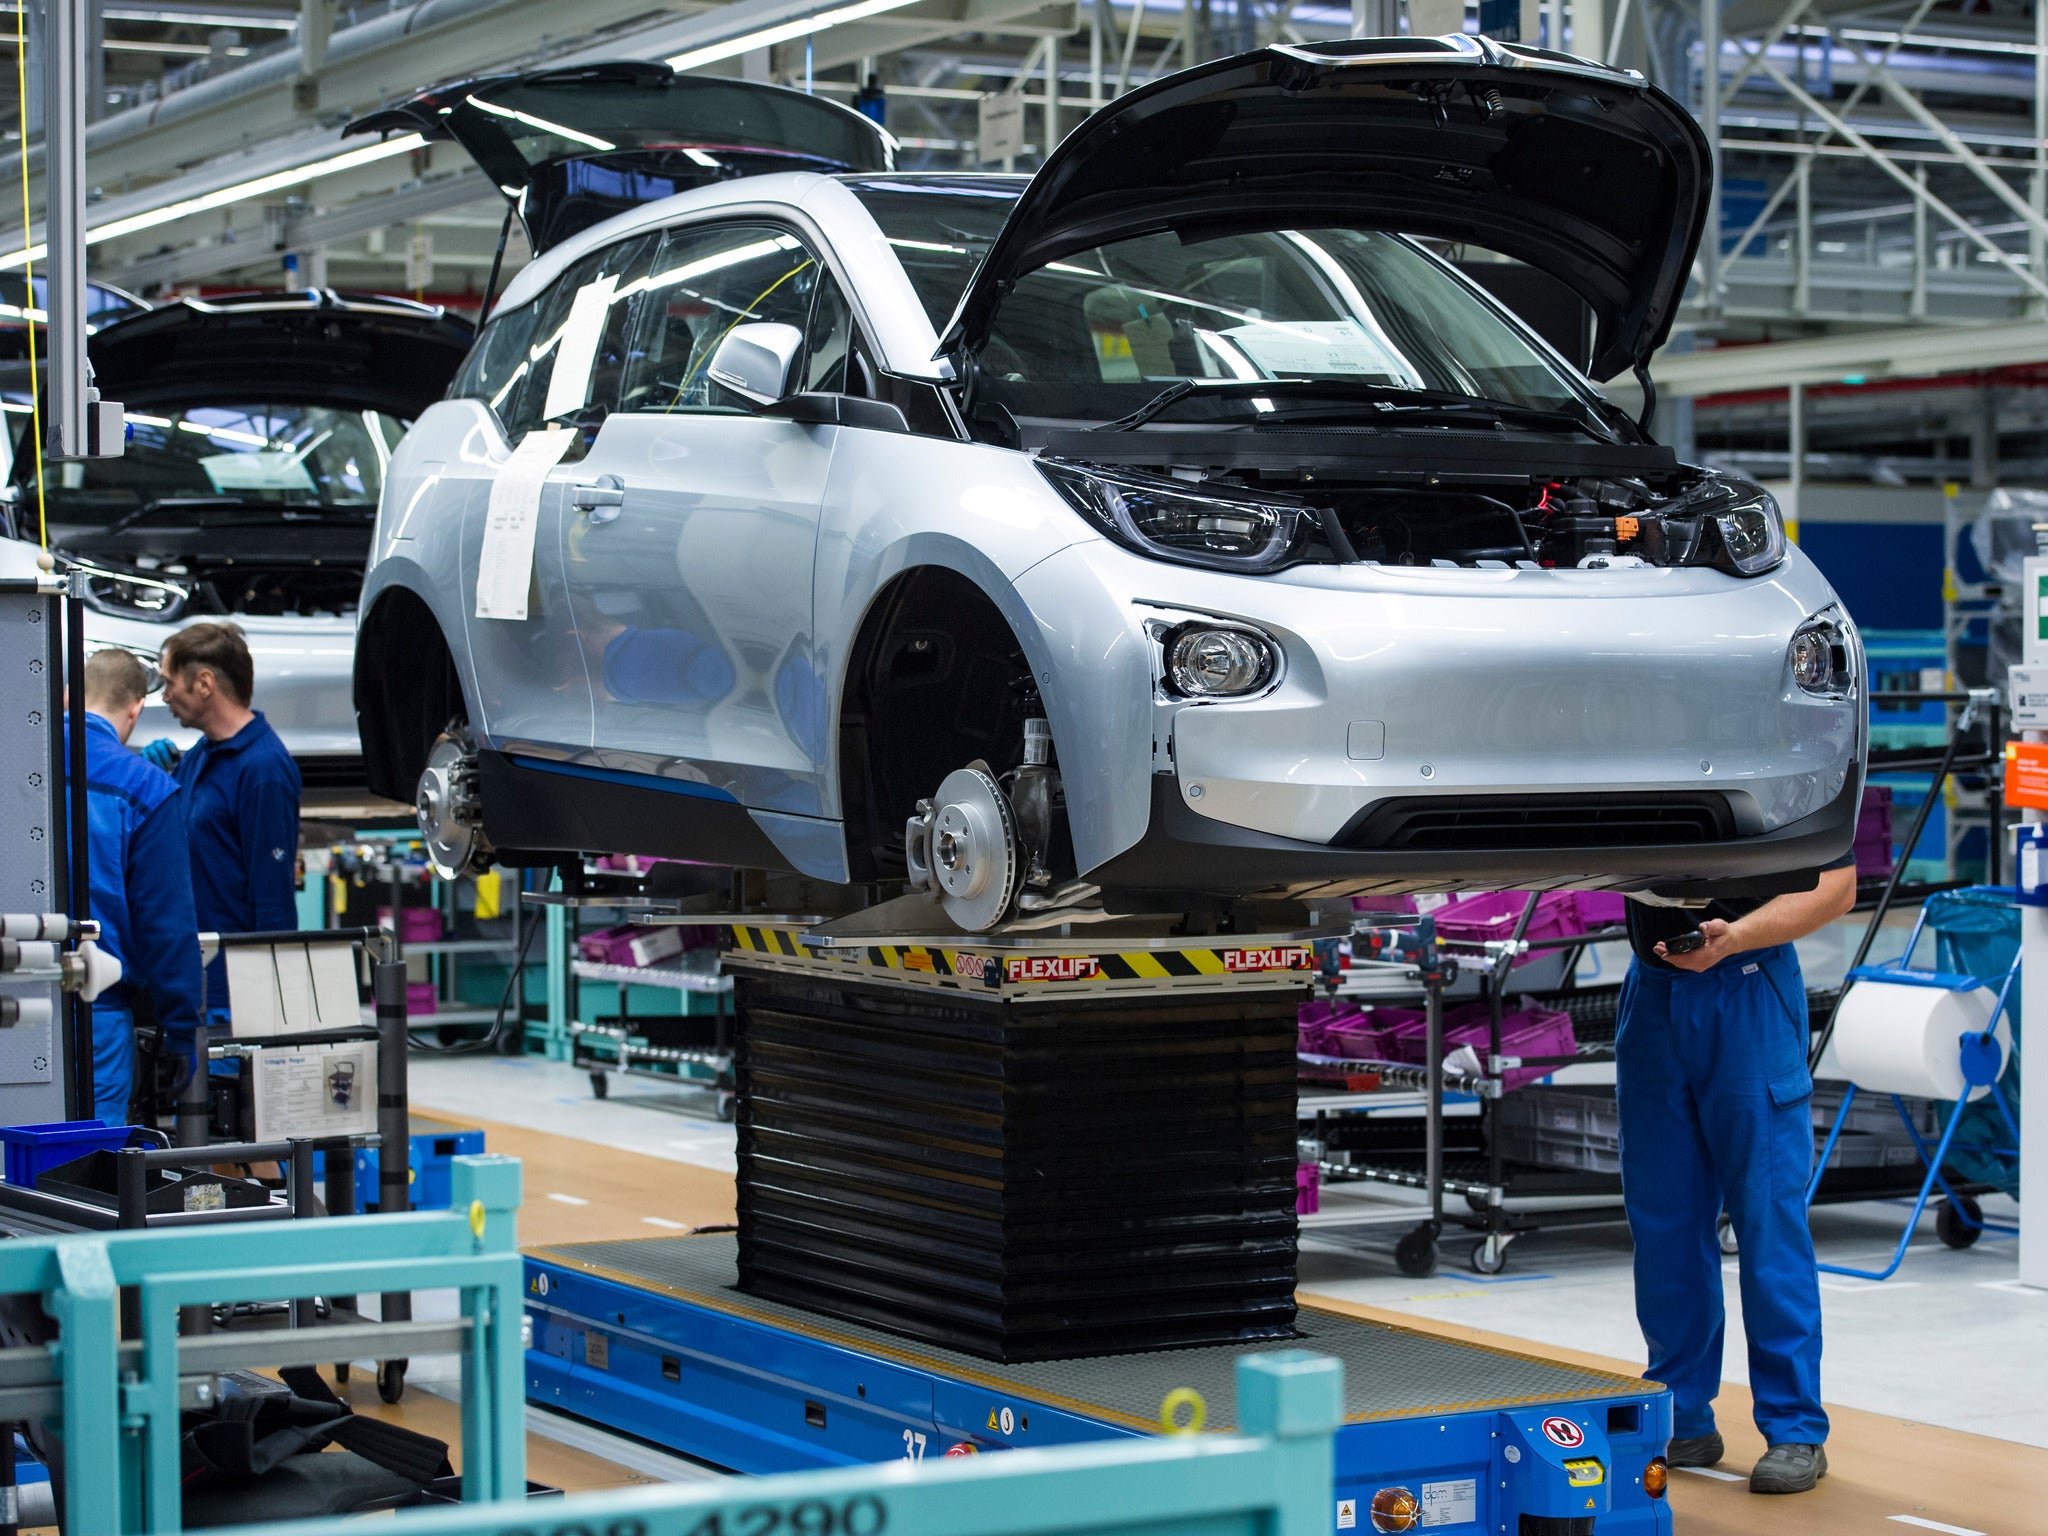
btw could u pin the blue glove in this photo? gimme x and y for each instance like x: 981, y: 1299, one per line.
x: 163, y: 753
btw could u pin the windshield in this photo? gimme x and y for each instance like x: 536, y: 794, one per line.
x: 269, y: 460
x: 1103, y: 331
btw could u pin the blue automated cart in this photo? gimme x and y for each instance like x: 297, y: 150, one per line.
x: 651, y: 1337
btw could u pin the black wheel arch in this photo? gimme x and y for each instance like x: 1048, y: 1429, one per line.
x: 407, y: 689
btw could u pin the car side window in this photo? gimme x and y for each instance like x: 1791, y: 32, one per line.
x: 705, y: 281
x: 496, y: 364
x: 832, y: 342
x: 583, y: 322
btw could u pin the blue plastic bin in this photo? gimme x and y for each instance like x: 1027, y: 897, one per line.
x: 33, y: 1150
x: 433, y: 1168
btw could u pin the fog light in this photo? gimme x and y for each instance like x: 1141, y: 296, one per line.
x: 1656, y: 1476
x: 1210, y: 662
x: 1819, y: 658
x: 1395, y: 1509
x: 1812, y: 666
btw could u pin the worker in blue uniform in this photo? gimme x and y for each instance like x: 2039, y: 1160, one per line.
x: 241, y: 790
x: 141, y: 882
x: 1715, y: 1097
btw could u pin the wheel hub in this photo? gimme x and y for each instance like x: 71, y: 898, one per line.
x: 450, y: 810
x: 974, y: 849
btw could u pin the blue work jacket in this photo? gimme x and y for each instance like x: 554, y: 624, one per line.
x: 141, y: 874
x: 242, y: 819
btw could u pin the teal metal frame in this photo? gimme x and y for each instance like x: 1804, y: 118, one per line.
x: 1273, y: 1479
x: 117, y: 1405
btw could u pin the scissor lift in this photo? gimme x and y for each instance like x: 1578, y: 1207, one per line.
x: 652, y: 1337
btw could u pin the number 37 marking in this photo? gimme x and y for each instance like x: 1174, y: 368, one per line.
x: 913, y: 1445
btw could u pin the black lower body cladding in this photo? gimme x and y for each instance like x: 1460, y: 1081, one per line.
x: 1019, y: 1179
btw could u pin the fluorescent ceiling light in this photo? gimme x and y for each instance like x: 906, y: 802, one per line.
x: 260, y: 186
x: 175, y: 50
x: 768, y: 37
x: 177, y: 18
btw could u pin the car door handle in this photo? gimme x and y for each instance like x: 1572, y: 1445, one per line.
x: 602, y: 499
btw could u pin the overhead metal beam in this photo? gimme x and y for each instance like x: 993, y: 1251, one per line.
x: 1909, y: 352
x: 210, y: 258
x: 931, y: 22
x: 1899, y: 174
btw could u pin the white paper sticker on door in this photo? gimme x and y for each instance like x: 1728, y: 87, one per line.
x: 576, y: 352
x: 505, y: 568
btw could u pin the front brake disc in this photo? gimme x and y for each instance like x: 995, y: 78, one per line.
x: 974, y: 849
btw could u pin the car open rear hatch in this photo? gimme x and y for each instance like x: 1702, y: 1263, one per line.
x: 1587, y: 173
x: 571, y: 147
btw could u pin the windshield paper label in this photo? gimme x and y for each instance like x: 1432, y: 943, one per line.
x: 504, y: 573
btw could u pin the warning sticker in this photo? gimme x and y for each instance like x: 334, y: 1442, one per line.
x: 2026, y: 774
x: 1347, y: 1514
x: 1564, y: 1432
x: 1453, y: 1503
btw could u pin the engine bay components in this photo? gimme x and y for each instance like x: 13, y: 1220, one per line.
x: 1260, y: 520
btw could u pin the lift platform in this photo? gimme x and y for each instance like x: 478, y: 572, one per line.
x: 649, y: 1337
x: 654, y: 1337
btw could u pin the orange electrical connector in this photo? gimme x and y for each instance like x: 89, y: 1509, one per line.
x: 1626, y: 528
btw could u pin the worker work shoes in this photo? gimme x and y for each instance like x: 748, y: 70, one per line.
x: 1788, y: 1469
x: 1697, y: 1451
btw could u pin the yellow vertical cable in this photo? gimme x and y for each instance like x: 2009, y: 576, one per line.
x: 28, y: 272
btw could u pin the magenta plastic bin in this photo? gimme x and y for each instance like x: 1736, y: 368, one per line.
x: 416, y: 925
x: 1492, y: 915
x: 1308, y: 1189
x: 1523, y: 1032
x: 1368, y: 1034
x: 420, y: 998
x: 1312, y: 1023
x: 631, y: 944
x: 1874, y: 833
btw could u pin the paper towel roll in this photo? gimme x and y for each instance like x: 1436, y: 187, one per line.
x: 1895, y: 1038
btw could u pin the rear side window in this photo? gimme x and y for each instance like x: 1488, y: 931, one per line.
x: 704, y: 282
x: 498, y: 360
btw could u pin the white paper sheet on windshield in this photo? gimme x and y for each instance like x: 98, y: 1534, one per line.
x: 256, y: 472
x: 576, y: 352
x: 504, y: 576
x: 1320, y: 348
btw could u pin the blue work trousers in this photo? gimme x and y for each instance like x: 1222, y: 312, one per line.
x: 113, y: 1060
x: 1716, y: 1113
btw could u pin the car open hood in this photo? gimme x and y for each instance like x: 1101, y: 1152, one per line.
x: 1590, y: 174
x: 315, y: 348
x: 570, y: 147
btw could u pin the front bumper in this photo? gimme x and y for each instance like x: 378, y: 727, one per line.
x: 1183, y: 852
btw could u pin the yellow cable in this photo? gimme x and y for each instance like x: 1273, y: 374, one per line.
x: 28, y: 273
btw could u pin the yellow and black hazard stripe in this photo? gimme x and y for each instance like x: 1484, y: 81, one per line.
x: 768, y: 941
x: 981, y: 968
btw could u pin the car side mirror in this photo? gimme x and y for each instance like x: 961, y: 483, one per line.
x: 758, y: 361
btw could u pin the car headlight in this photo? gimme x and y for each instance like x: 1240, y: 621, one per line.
x: 1741, y: 529
x: 1819, y: 656
x: 130, y: 594
x: 1172, y: 521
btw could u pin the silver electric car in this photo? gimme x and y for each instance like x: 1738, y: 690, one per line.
x: 1178, y: 524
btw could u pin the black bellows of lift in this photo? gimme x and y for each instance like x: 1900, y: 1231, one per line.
x: 1019, y: 1180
